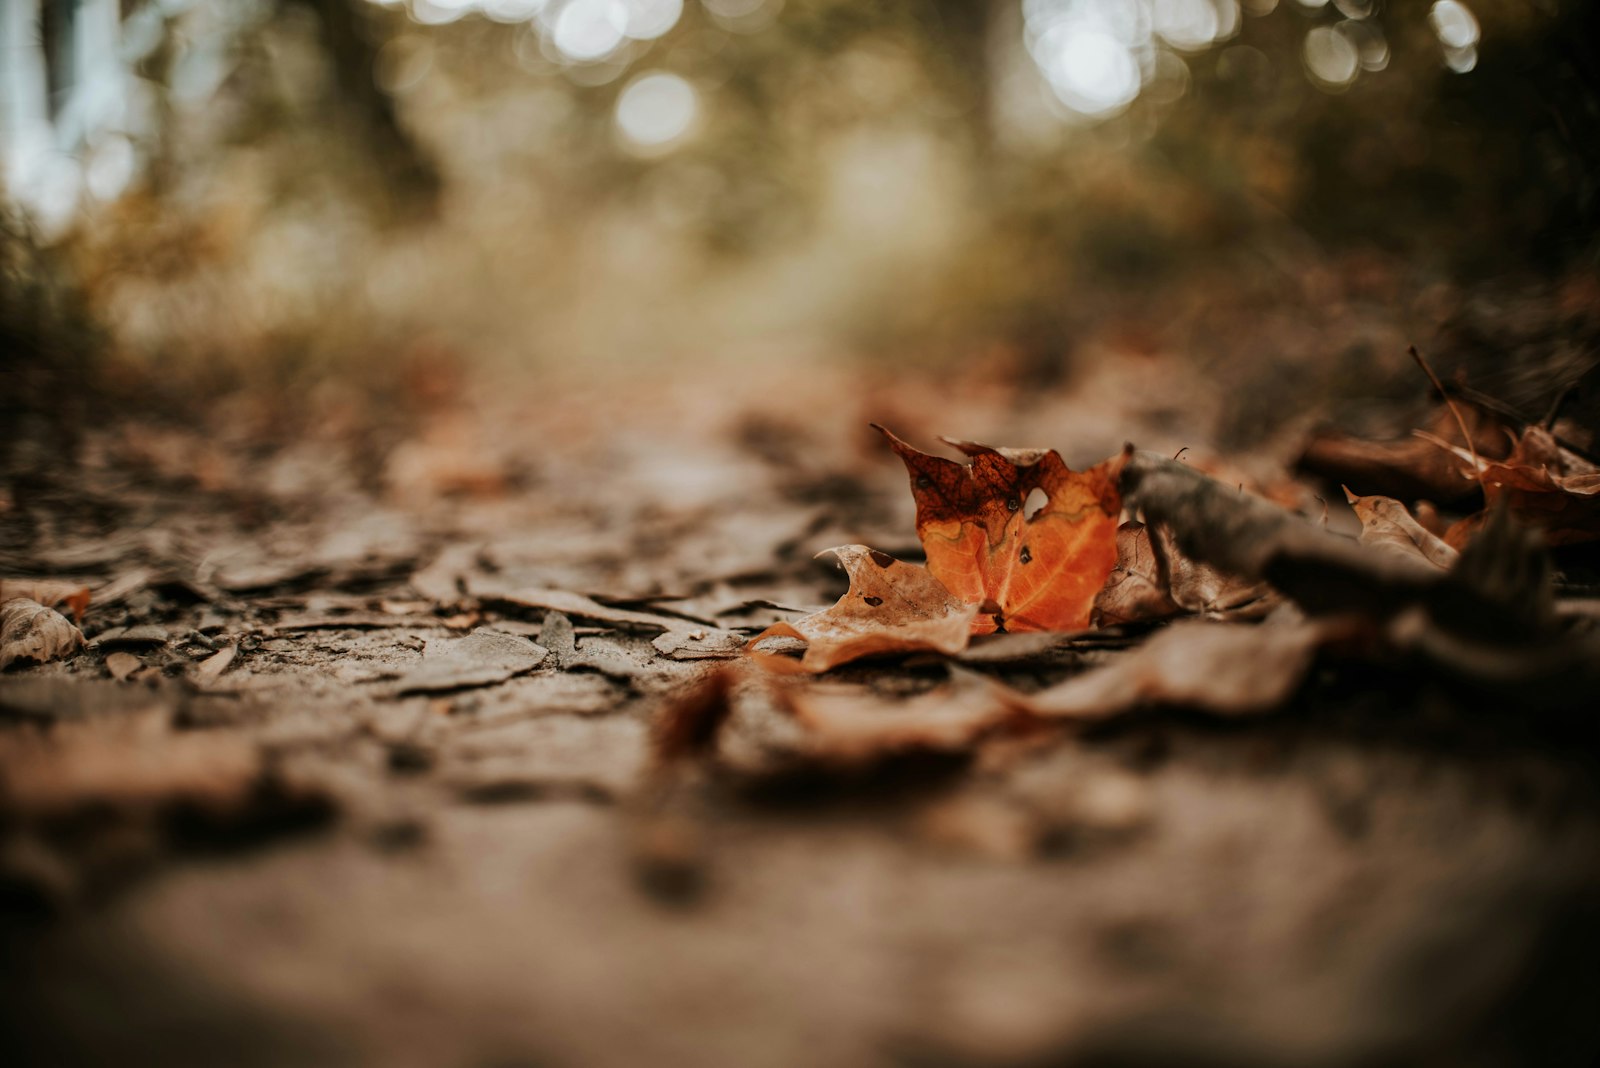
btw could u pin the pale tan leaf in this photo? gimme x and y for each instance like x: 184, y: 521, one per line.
x: 121, y: 665
x: 853, y: 724
x: 30, y: 632
x: 1387, y: 525
x: 1225, y: 668
x: 891, y: 607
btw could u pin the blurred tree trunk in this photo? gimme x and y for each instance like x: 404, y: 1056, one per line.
x: 408, y: 173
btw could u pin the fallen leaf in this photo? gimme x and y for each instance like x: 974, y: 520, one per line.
x: 1136, y: 591
x: 146, y: 635
x: 1245, y: 537
x: 32, y: 633
x: 121, y: 665
x: 1388, y: 526
x: 851, y: 724
x: 1154, y: 580
x: 1407, y: 468
x: 1543, y: 485
x: 212, y: 667
x: 1033, y: 566
x: 891, y: 607
x: 49, y: 592
x: 1225, y: 668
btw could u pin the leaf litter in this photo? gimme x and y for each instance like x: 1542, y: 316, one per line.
x: 1229, y: 604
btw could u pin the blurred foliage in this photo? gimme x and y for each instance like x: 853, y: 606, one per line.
x: 350, y: 191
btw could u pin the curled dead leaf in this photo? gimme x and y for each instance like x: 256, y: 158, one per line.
x: 891, y: 607
x: 1154, y: 580
x: 33, y: 633
x: 1016, y: 531
x: 1136, y: 590
x: 1541, y: 483
x: 1387, y: 525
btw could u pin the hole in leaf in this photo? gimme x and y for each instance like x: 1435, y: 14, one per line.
x: 881, y: 558
x: 1037, y: 499
x: 873, y: 601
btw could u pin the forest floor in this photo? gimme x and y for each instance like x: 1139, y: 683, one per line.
x: 358, y: 766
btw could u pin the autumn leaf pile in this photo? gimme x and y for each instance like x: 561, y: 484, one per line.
x: 1015, y: 541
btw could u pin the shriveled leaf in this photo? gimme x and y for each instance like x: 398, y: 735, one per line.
x: 1225, y: 668
x: 1386, y: 525
x: 1136, y: 590
x: 1030, y: 567
x: 1154, y: 580
x: 32, y: 633
x: 891, y: 607
x: 851, y: 724
x: 52, y: 593
x: 1407, y: 468
x: 1254, y: 541
x: 1542, y: 484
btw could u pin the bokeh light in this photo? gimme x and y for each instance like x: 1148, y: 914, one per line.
x: 587, y: 31
x: 1331, y: 58
x: 1097, y: 56
x: 1091, y: 71
x: 655, y: 111
x: 511, y: 11
x: 1457, y: 29
x: 650, y: 19
x: 743, y: 16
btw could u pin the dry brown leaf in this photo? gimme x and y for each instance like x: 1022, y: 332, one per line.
x: 1154, y: 580
x: 1407, y: 468
x: 1226, y: 668
x: 891, y: 607
x: 1030, y: 566
x: 51, y: 593
x: 1387, y: 525
x: 212, y: 667
x: 32, y: 633
x: 1136, y: 590
x: 1543, y: 485
x: 851, y: 724
x: 121, y: 665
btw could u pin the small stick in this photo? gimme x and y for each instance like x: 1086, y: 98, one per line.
x: 1477, y: 464
x: 1505, y: 411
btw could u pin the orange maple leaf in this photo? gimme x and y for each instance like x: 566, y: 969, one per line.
x: 1029, y: 569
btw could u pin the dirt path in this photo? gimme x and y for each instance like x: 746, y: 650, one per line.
x: 374, y: 786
